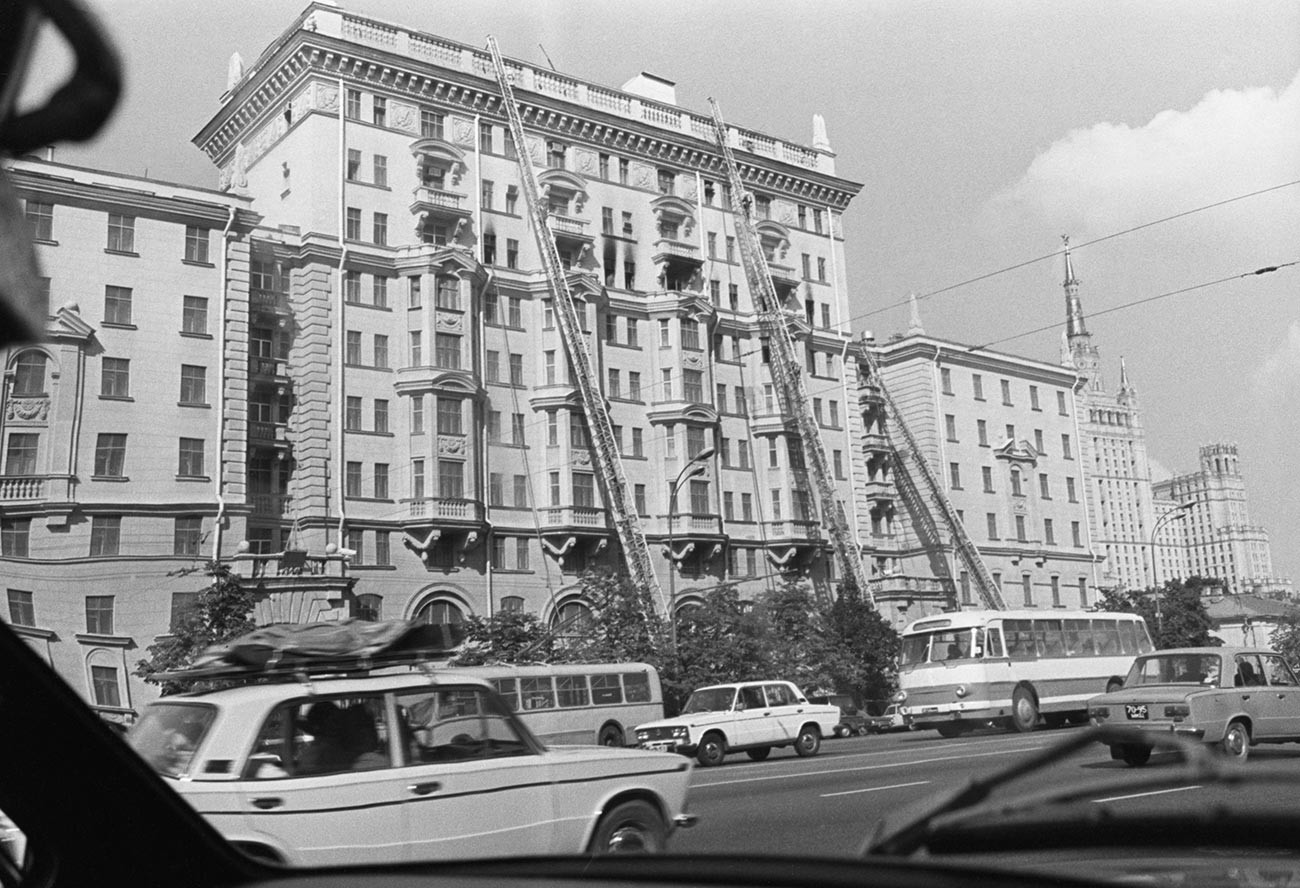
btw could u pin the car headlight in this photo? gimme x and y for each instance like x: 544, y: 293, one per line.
x: 1178, y: 710
x: 1099, y: 712
x: 642, y: 736
x: 962, y: 691
x: 900, y: 697
x: 681, y: 732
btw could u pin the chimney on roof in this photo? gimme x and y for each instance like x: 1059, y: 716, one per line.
x: 652, y: 87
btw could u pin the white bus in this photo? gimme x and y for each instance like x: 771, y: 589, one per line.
x: 964, y: 670
x: 578, y: 704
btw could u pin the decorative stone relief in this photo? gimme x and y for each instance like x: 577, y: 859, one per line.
x: 462, y: 131
x: 643, y: 176
x: 447, y: 321
x: 586, y: 160
x: 327, y: 97
x: 693, y: 359
x: 534, y: 149
x: 451, y: 445
x: 402, y: 116
x: 689, y: 191
x: 787, y: 213
x: 28, y: 410
x: 581, y: 458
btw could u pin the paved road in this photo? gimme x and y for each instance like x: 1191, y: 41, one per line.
x: 829, y: 804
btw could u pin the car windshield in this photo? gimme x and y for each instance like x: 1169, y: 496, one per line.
x: 167, y: 736
x: 709, y: 700
x: 576, y: 340
x: 1197, y: 669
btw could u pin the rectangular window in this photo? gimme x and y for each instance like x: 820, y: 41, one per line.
x: 121, y: 233
x: 1006, y: 392
x: 196, y: 244
x: 1049, y: 532
x: 1033, y: 398
x: 431, y: 124
x: 987, y: 472
x: 381, y: 351
x: 447, y: 293
x: 1070, y: 492
x: 1038, y: 441
x: 352, y: 224
x: 584, y: 490
x: 603, y: 166
x: 492, y: 365
x: 496, y: 491
x: 190, y: 460
x: 1020, y: 529
x: 447, y: 348
x: 1060, y: 404
x: 417, y: 414
x: 352, y: 479
x: 950, y: 426
x: 194, y: 384
x: 352, y: 347
x: 733, y: 297
x: 415, y: 297
x: 381, y: 171
x: 992, y: 520
x: 352, y: 414
x: 638, y: 442
x: 110, y: 455
x: 194, y: 315
x: 381, y: 416
x: 1027, y: 589
x: 1065, y: 447
x: 945, y: 380
x: 99, y: 614
x: 485, y: 140
x: 20, y: 455
x: 521, y: 490
x: 117, y: 306
x: 517, y: 429
x: 821, y: 269
x: 494, y: 426
x: 693, y: 385
x: 977, y: 385
x: 15, y: 536
x: 514, y: 312
x: 1076, y: 534
x: 634, y: 385
x: 451, y: 479
x: 633, y: 333
x: 417, y: 479
x: 380, y: 108
x: 21, y: 610
x: 1044, y: 486
x: 380, y: 232
x: 690, y: 332
x: 40, y: 219
x: 381, y: 480
x: 615, y: 386
x: 105, y: 536
x: 449, y: 416
x: 416, y: 348
x: 954, y: 476
x: 521, y: 553
x: 638, y: 498
x: 354, y: 164
x: 352, y: 104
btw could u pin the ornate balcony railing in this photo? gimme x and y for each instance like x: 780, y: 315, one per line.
x: 22, y: 487
x: 451, y: 509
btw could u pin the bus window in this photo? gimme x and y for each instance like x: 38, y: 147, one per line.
x: 1128, y: 636
x: 916, y: 649
x: 1078, y: 639
x: 1144, y: 638
x: 572, y: 690
x: 977, y: 646
x: 606, y: 690
x: 1106, y: 634
x: 1051, y: 643
x: 636, y: 687
x: 1019, y: 638
x: 508, y: 688
x: 537, y: 693
x: 994, y: 648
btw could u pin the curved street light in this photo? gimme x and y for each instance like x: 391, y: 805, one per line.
x: 694, y: 467
x: 1177, y: 513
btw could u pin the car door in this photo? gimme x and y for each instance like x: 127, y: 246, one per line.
x: 474, y: 783
x: 753, y: 724
x: 312, y: 795
x: 786, y: 710
x: 1254, y: 698
x: 1283, y: 696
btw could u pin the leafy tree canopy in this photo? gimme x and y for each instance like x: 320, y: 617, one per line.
x: 1175, y: 615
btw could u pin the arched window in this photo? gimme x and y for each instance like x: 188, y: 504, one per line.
x: 571, y: 619
x: 29, y: 374
x: 369, y: 608
x: 1015, y: 483
x: 447, y: 616
x: 512, y: 604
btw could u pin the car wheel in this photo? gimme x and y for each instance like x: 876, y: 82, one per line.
x: 712, y: 750
x: 808, y: 742
x: 631, y: 828
x: 841, y: 731
x: 759, y: 754
x: 1135, y: 755
x: 950, y: 731
x: 1024, y: 711
x: 1236, y: 742
x: 611, y: 735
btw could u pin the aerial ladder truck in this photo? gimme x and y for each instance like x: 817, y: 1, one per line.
x: 786, y: 368
x: 636, y: 551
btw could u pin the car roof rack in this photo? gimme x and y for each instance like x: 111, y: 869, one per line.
x: 298, y: 651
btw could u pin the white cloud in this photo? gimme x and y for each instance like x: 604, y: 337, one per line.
x: 1110, y: 176
x: 1277, y: 379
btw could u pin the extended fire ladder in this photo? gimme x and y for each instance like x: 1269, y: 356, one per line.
x: 933, y: 493
x: 786, y: 368
x: 636, y: 551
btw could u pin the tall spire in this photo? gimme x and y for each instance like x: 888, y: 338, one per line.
x: 1078, y: 350
x: 1074, y: 325
x: 914, y: 327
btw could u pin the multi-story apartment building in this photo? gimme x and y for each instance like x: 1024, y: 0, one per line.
x: 1215, y: 538
x: 1112, y: 443
x: 341, y: 372
x: 1000, y: 434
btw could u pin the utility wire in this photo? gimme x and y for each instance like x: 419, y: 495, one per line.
x: 1056, y: 253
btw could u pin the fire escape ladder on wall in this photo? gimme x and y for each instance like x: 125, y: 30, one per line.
x: 786, y: 368
x: 932, y: 492
x: 636, y: 551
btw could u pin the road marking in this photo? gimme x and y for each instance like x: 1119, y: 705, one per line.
x: 805, y: 774
x: 1138, y: 795
x: 830, y: 795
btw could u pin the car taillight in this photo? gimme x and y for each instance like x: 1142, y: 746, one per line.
x: 1178, y: 710
x: 1099, y: 712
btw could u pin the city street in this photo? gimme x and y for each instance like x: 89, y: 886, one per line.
x: 830, y: 803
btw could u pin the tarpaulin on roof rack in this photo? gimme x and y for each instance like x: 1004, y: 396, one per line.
x: 317, y: 647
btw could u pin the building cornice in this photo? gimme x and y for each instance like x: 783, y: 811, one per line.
x: 956, y: 354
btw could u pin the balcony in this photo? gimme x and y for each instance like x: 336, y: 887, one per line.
x: 793, y: 529
x: 271, y: 505
x: 270, y: 302
x: 876, y: 441
x: 17, y: 488
x: 879, y: 489
x: 438, y: 202
x: 567, y: 531
x: 666, y: 249
x: 437, y: 509
x: 569, y: 227
x: 576, y: 517
x: 695, y: 536
x: 269, y: 369
x: 792, y: 542
x: 902, y: 587
x: 269, y: 434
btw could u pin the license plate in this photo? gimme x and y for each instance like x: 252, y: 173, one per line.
x: 1136, y: 711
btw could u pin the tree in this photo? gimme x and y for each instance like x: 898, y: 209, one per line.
x: 221, y: 612
x: 1285, y: 638
x: 798, y: 648
x: 1182, y: 621
x: 506, y: 636
x: 624, y: 624
x: 862, y: 648
x: 721, y: 640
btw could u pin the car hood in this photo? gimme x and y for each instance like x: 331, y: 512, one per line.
x: 693, y: 720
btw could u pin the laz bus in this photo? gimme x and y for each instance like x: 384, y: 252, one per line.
x: 975, y: 668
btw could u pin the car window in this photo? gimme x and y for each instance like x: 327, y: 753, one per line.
x: 167, y: 736
x: 1278, y: 672
x: 1249, y: 671
x: 305, y: 738
x: 456, y: 724
x: 779, y: 695
x: 752, y: 698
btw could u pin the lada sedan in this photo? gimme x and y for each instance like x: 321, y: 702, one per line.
x: 753, y: 716
x: 401, y: 768
x: 1233, y: 697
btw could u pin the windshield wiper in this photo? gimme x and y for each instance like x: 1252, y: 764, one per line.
x: 908, y: 831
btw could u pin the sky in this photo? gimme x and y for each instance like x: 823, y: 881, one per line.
x: 1163, y: 137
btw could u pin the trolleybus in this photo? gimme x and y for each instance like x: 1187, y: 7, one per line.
x: 974, y: 668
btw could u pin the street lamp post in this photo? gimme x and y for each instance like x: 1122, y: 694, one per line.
x: 1174, y: 514
x: 694, y: 466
